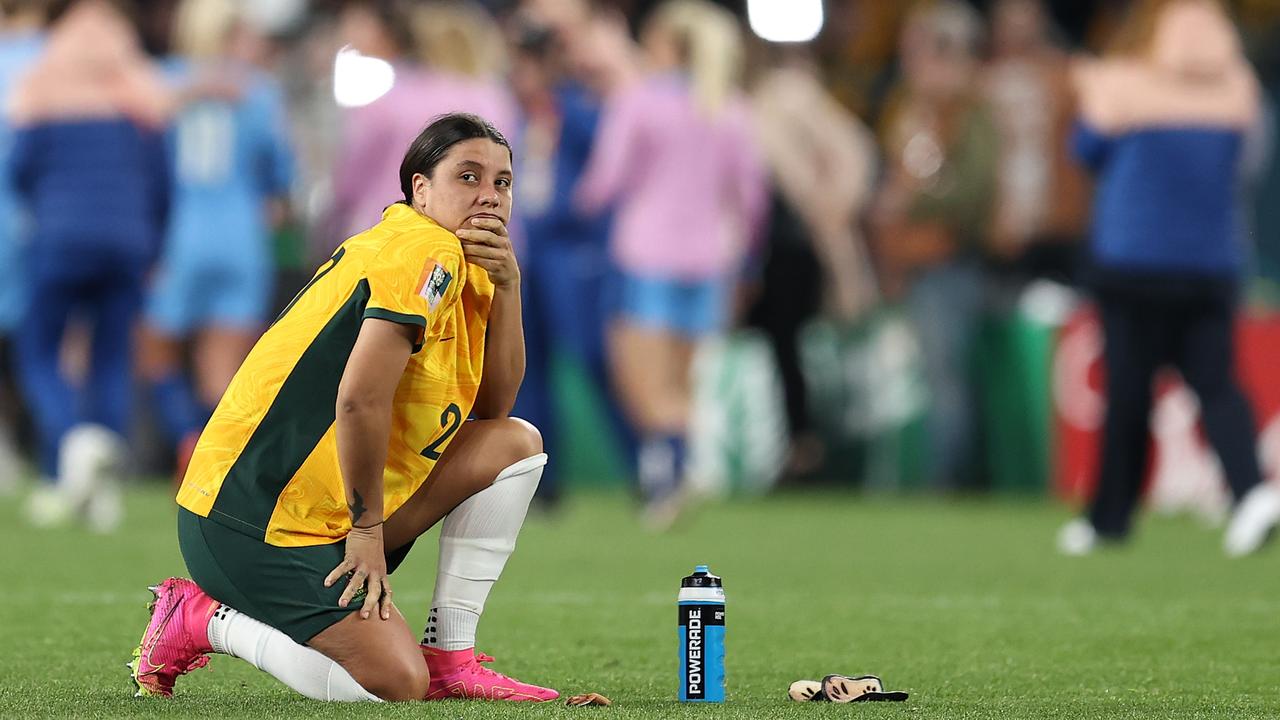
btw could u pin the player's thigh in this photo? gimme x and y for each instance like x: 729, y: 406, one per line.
x: 220, y: 350
x: 481, y: 450
x: 382, y: 655
x: 636, y: 359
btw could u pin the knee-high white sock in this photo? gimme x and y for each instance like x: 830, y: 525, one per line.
x: 475, y: 542
x: 301, y: 668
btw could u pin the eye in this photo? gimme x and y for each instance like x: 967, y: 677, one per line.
x: 469, y: 177
x: 503, y: 182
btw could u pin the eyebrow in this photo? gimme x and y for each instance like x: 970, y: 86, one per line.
x: 479, y: 166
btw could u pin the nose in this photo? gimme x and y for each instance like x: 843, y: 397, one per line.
x: 490, y: 198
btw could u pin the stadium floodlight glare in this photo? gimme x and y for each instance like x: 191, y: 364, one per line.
x: 360, y: 79
x: 785, y: 21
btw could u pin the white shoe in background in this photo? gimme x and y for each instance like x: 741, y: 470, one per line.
x: 1077, y: 538
x: 91, y: 462
x: 1253, y: 521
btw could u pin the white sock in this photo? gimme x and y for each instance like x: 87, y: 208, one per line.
x: 303, y: 669
x: 475, y: 542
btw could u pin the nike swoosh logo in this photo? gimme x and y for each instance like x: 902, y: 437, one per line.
x: 155, y: 639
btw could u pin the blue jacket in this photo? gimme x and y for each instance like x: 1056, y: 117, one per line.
x: 96, y: 189
x: 1167, y: 200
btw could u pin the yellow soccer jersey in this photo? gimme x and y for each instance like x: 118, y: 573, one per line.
x: 267, y: 462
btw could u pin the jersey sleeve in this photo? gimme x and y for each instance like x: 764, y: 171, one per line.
x: 414, y: 283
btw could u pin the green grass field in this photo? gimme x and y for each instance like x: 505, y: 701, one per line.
x: 963, y: 604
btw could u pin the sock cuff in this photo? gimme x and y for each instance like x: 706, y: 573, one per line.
x: 521, y: 467
x: 217, y: 629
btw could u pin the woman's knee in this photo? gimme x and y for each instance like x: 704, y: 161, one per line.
x: 523, y: 439
x: 395, y: 679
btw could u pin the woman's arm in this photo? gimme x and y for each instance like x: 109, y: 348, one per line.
x: 365, y: 397
x: 503, y: 356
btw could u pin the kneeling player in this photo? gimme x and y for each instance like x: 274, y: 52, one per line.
x: 343, y: 438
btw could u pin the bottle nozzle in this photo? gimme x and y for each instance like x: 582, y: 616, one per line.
x: 702, y: 569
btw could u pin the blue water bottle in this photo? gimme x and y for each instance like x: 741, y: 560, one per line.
x: 701, y: 606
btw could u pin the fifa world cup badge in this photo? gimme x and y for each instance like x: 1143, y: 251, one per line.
x: 435, y: 284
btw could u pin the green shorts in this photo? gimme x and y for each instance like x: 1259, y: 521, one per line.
x: 282, y: 587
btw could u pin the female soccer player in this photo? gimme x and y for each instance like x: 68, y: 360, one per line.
x: 675, y: 158
x: 343, y: 438
x: 231, y: 175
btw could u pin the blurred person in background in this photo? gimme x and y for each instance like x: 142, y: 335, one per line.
x: 822, y: 161
x: 675, y: 157
x: 446, y: 57
x: 90, y: 165
x: 1163, y: 123
x: 21, y: 41
x: 232, y: 171
x: 1041, y: 198
x: 566, y: 252
x: 932, y: 217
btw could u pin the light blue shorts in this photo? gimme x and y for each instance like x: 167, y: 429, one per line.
x: 692, y: 308
x: 228, y: 292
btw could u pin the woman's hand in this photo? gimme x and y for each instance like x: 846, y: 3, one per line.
x: 366, y: 563
x: 485, y: 243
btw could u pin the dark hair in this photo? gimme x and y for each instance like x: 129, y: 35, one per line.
x: 429, y: 148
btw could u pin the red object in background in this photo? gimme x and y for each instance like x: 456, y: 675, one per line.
x: 1079, y: 398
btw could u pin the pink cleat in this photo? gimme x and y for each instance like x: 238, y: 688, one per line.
x: 458, y: 675
x: 176, y: 639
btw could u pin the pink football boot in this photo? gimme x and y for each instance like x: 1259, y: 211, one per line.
x: 459, y: 675
x: 176, y: 639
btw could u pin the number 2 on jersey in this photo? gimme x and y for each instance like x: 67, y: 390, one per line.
x: 450, y: 420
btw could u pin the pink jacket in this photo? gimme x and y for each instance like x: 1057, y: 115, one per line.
x: 689, y: 192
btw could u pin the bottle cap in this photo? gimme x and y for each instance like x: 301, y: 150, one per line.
x: 701, y: 577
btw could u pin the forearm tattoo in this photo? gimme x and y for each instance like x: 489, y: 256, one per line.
x: 356, y: 506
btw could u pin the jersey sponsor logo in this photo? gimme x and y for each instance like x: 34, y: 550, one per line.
x: 434, y: 283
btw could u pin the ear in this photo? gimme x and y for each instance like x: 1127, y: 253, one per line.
x: 421, y: 188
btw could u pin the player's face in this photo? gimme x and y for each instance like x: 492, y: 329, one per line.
x: 473, y: 179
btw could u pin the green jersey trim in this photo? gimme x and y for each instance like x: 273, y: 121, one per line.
x: 403, y: 319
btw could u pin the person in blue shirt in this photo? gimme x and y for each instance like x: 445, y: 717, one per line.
x: 89, y: 163
x: 1163, y: 128
x: 232, y: 171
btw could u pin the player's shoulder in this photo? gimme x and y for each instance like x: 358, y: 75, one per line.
x: 406, y: 239
x: 422, y: 242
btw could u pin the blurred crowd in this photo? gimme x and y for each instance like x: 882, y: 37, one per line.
x: 176, y: 170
